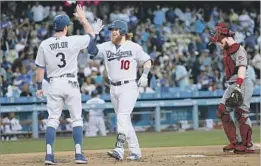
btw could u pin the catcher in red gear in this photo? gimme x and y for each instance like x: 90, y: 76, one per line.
x: 235, y: 104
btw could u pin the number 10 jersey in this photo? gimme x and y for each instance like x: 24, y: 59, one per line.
x: 122, y: 62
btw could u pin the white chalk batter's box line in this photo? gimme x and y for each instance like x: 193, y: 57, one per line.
x: 190, y: 156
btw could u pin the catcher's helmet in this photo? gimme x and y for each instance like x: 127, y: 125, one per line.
x: 60, y: 21
x: 121, y: 25
x: 219, y: 32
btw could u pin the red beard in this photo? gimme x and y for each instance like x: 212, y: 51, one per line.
x: 116, y: 40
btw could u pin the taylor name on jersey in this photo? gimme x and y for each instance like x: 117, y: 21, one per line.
x: 58, y: 45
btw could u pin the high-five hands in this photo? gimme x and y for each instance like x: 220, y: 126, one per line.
x: 97, y: 26
x: 79, y: 14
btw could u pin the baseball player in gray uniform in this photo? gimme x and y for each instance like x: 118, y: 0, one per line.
x: 122, y: 58
x: 96, y: 116
x: 235, y: 104
x: 59, y: 55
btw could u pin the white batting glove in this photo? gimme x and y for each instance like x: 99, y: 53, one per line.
x: 143, y: 81
x: 39, y: 93
x: 97, y: 26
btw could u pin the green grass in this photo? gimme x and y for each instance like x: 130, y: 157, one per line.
x: 163, y: 139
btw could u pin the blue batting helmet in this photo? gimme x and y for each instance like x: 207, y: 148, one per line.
x: 121, y: 25
x: 60, y: 21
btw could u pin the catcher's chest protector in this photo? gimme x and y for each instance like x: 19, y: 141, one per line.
x: 229, y: 63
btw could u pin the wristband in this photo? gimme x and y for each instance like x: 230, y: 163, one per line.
x: 239, y: 81
x: 39, y: 85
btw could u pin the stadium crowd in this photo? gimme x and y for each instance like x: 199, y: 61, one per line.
x: 176, y: 38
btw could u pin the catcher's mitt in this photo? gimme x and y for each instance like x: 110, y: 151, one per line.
x: 235, y: 99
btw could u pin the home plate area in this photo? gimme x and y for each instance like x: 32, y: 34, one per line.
x: 168, y: 156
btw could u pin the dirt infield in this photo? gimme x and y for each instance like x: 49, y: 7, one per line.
x: 174, y: 156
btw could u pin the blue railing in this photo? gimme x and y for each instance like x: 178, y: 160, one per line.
x: 174, y: 93
x: 192, y: 103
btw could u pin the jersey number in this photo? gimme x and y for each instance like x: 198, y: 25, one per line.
x: 62, y: 59
x: 125, y: 64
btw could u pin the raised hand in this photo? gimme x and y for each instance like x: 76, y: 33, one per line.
x: 97, y: 26
x: 79, y: 14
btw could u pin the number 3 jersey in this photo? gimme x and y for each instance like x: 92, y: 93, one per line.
x: 122, y: 62
x: 59, y: 55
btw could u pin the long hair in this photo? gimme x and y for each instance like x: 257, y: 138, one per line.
x: 129, y: 36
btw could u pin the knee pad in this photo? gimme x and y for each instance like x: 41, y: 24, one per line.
x: 227, y: 122
x: 245, y: 129
x: 77, y: 122
x: 121, y: 139
x: 53, y: 123
x: 241, y: 115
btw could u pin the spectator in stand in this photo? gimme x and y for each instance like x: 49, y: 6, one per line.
x: 88, y: 86
x: 159, y: 16
x: 199, y: 25
x: 5, y: 126
x: 15, y: 123
x: 152, y: 79
x: 25, y: 91
x: 218, y: 78
x: 24, y: 77
x: 9, y: 76
x: 42, y: 32
x: 19, y: 47
x: 246, y: 22
x: 181, y: 76
x: 204, y: 80
x: 60, y: 11
x: 89, y: 14
x: 165, y: 32
x: 123, y: 15
x: 38, y: 13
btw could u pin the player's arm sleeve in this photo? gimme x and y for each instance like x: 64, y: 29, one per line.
x: 40, y: 60
x: 96, y: 51
x: 241, y: 64
x: 82, y: 41
x: 92, y: 47
x: 142, y: 56
x: 241, y: 58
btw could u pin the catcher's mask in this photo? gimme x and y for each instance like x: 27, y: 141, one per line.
x: 220, y: 32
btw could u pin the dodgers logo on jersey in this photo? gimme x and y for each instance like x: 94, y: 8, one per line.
x: 118, y: 55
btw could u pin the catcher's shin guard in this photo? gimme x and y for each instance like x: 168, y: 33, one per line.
x: 228, y: 124
x: 245, y: 131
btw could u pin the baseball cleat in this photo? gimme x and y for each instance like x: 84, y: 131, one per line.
x: 241, y: 149
x: 133, y: 157
x: 229, y: 147
x: 115, y: 155
x: 80, y: 159
x: 49, y: 160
